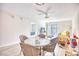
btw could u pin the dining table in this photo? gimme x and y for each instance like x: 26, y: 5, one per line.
x: 38, y: 43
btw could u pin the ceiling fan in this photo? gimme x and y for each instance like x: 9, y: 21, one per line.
x: 39, y: 4
x: 44, y: 12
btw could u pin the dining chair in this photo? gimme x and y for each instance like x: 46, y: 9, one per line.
x: 23, y: 38
x: 29, y: 50
x: 41, y: 36
x: 50, y: 47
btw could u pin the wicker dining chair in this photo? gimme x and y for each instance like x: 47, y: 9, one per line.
x: 29, y: 50
x: 50, y: 47
x: 23, y: 38
x: 41, y: 36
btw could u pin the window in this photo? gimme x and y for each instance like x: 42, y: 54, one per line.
x: 33, y: 29
x: 51, y: 29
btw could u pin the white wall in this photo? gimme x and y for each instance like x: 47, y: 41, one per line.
x: 65, y: 26
x: 11, y: 28
x: 75, y: 23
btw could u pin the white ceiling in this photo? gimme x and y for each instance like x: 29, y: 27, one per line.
x: 28, y: 10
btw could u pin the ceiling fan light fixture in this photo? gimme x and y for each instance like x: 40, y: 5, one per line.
x: 46, y: 17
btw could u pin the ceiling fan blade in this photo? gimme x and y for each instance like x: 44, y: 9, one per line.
x: 40, y: 14
x: 40, y: 4
x: 41, y: 11
x: 48, y: 9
